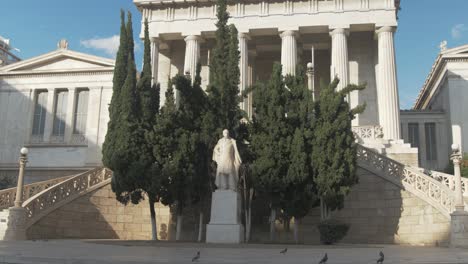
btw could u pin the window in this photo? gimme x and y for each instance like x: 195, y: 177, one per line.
x: 413, y: 134
x: 60, y: 113
x: 431, y: 144
x: 81, y: 112
x: 39, y: 113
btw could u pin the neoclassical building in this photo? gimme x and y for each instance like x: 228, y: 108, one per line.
x: 56, y: 104
x: 438, y: 117
x: 351, y: 39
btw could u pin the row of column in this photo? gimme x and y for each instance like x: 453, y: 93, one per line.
x: 387, y: 89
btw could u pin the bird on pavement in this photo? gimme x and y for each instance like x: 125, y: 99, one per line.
x: 381, y: 259
x: 324, y: 259
x: 284, y: 251
x: 197, y: 257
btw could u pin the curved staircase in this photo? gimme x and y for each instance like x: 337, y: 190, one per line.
x: 42, y: 203
x: 434, y: 188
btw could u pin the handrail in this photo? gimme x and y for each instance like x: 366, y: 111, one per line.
x: 8, y: 196
x: 448, y: 180
x: 423, y: 186
x: 64, y: 192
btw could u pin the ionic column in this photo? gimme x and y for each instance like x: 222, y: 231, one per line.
x: 49, y: 120
x: 192, y: 55
x: 243, y: 67
x: 288, y: 52
x: 387, y: 86
x: 339, y: 57
x: 154, y: 60
x: 251, y: 81
x: 69, y: 122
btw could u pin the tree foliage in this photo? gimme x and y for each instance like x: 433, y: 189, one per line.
x: 333, y: 144
x: 120, y: 74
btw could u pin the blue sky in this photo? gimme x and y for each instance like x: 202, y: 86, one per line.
x: 35, y: 26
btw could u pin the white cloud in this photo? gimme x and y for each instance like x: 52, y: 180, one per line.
x: 108, y: 45
x: 458, y: 31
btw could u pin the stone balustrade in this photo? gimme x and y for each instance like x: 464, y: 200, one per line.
x: 7, y: 196
x: 448, y: 180
x: 48, y: 200
x: 364, y: 133
x: 425, y: 187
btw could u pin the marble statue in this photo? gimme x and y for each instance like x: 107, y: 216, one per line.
x: 227, y: 157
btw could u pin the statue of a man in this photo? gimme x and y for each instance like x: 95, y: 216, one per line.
x: 227, y: 157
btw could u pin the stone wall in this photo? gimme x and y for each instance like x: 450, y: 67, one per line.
x: 377, y: 211
x: 99, y: 215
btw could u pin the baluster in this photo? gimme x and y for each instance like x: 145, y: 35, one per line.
x: 465, y: 189
x: 451, y: 182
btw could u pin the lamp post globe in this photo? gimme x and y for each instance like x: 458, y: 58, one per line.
x: 455, y: 147
x: 24, y: 151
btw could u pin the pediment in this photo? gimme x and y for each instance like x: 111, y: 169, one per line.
x: 59, y: 60
x: 462, y: 50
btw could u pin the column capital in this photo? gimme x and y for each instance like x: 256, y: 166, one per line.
x: 339, y: 31
x: 193, y: 37
x: 244, y: 35
x: 155, y: 40
x: 289, y: 33
x: 382, y: 29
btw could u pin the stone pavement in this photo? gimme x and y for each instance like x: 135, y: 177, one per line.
x: 119, y: 252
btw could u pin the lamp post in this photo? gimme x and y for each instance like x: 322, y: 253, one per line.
x: 22, y: 164
x: 456, y: 157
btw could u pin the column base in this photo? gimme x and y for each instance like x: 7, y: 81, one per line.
x: 459, y: 229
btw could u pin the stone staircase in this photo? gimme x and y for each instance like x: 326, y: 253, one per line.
x: 43, y: 197
x: 434, y: 188
x: 380, y: 157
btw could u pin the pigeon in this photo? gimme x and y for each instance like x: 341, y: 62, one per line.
x: 284, y: 251
x: 381, y: 259
x: 324, y: 259
x: 197, y: 257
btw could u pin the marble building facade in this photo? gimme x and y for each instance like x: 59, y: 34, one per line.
x: 351, y: 39
x: 55, y: 104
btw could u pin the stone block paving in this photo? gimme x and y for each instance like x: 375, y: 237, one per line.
x: 142, y: 252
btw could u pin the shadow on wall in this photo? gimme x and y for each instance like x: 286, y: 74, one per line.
x: 381, y: 212
x: 99, y: 215
x: 377, y: 211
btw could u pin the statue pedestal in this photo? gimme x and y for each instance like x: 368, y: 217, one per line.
x: 224, y: 226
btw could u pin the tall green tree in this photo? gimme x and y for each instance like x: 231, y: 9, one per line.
x: 270, y: 140
x: 147, y: 96
x: 333, y: 144
x: 299, y: 195
x: 223, y: 90
x: 120, y: 74
x: 122, y: 147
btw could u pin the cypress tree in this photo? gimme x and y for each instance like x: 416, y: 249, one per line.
x: 334, y: 147
x: 125, y: 183
x: 147, y: 109
x: 120, y: 73
x: 271, y: 140
x: 223, y: 90
x: 299, y: 195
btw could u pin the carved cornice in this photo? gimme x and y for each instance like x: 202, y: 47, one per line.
x: 434, y: 75
x: 22, y: 74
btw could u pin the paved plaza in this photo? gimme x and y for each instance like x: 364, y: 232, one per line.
x: 103, y: 252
